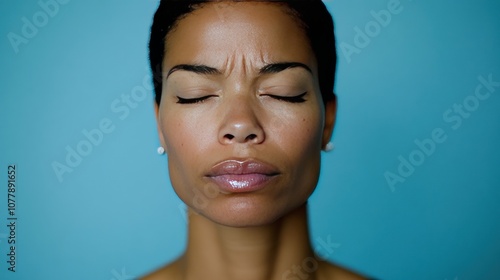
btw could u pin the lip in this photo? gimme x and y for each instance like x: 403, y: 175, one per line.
x: 237, y: 176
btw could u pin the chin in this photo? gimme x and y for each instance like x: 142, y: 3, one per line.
x: 243, y: 211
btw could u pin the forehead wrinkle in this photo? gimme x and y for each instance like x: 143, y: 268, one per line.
x: 229, y: 65
x: 242, y: 71
x: 240, y: 64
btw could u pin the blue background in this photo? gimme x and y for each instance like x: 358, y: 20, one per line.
x: 115, y: 215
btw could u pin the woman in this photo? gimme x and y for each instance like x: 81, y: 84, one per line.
x: 245, y: 104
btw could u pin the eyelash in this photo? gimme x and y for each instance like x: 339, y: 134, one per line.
x: 181, y: 100
x: 291, y: 99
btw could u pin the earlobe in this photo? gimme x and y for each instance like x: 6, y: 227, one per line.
x: 158, y: 126
x: 330, y: 116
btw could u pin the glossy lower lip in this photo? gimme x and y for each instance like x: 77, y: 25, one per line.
x: 240, y: 183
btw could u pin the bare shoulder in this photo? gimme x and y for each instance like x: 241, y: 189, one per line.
x: 169, y: 271
x: 329, y: 271
x: 326, y: 271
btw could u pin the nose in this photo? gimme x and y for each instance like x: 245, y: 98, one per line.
x: 240, y: 124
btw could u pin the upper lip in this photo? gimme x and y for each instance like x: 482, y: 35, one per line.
x: 241, y: 167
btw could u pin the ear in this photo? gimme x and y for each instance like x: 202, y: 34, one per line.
x: 330, y: 116
x: 158, y: 126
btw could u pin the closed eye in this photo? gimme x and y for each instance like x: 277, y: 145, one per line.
x: 181, y: 100
x: 292, y: 99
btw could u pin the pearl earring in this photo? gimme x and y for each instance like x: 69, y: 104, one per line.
x: 329, y: 147
x: 160, y: 150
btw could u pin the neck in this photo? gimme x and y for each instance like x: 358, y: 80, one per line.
x: 265, y: 252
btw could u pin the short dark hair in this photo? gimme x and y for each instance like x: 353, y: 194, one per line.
x: 316, y: 20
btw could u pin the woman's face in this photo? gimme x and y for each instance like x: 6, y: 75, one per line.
x: 241, y: 115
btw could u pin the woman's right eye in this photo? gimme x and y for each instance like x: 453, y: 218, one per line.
x: 181, y: 100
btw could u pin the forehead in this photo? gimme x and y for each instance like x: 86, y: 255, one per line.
x: 259, y: 32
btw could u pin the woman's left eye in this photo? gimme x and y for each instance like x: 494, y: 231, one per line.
x: 292, y: 99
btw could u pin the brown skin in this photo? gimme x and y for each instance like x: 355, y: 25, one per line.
x: 253, y: 235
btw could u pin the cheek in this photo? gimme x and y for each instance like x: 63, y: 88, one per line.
x: 185, y: 139
x: 300, y: 145
x: 182, y: 146
x: 299, y: 134
x: 184, y: 135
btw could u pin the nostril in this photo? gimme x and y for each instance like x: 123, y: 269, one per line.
x: 251, y: 137
x: 229, y: 136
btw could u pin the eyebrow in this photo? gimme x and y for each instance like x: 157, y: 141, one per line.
x: 198, y: 69
x: 267, y: 69
x: 281, y: 66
